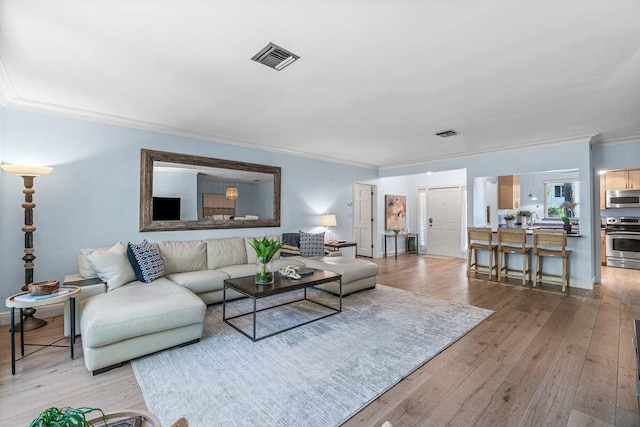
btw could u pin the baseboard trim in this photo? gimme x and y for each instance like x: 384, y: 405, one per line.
x: 52, y: 310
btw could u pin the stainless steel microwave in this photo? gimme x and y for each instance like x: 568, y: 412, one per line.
x: 623, y: 199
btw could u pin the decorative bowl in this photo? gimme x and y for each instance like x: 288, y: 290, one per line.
x: 44, y: 288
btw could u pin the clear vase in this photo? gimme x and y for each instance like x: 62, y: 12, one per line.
x: 264, y: 272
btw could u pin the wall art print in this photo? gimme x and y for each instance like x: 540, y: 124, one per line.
x: 395, y: 212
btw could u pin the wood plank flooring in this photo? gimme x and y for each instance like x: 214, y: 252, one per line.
x: 543, y: 359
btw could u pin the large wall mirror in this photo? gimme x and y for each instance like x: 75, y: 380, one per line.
x: 185, y: 192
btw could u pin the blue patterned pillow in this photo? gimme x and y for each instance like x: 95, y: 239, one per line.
x: 146, y: 261
x: 311, y: 244
x: 290, y: 244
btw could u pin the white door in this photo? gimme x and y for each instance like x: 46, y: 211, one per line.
x: 363, y: 219
x: 444, y: 223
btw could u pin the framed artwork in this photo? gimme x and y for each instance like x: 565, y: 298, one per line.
x: 395, y: 212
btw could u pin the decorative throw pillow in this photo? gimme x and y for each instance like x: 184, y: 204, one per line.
x: 146, y: 261
x: 84, y: 268
x: 112, y: 266
x: 290, y: 244
x: 311, y: 244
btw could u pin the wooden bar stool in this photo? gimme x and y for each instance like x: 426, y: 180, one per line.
x: 516, y: 243
x: 481, y: 239
x: 551, y: 243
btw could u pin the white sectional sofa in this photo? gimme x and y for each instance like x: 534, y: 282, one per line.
x: 119, y: 323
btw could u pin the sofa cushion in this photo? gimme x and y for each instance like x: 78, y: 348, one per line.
x: 252, y: 258
x: 227, y: 251
x: 181, y: 256
x: 84, y: 268
x: 290, y: 244
x: 311, y: 244
x: 146, y: 261
x: 239, y: 270
x: 112, y: 266
x: 200, y: 282
x: 137, y: 309
x: 351, y: 269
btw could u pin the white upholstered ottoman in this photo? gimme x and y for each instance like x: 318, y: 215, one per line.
x: 357, y: 274
x: 138, y: 319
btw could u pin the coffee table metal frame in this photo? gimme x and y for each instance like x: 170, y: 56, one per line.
x: 247, y: 287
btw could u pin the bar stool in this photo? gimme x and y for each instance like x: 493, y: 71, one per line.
x: 516, y: 239
x: 481, y: 239
x: 554, y: 244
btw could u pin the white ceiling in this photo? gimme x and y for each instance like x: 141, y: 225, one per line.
x: 375, y: 81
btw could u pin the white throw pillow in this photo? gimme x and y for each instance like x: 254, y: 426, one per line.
x: 112, y: 266
x: 84, y: 268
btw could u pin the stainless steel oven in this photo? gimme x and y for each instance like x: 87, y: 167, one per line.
x: 622, y: 235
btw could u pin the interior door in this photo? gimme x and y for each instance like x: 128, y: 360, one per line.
x: 363, y: 219
x: 444, y: 223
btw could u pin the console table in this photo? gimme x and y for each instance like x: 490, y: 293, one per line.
x: 409, y: 237
x: 335, y: 246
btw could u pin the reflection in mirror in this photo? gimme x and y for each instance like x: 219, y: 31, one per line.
x: 542, y: 193
x: 184, y: 192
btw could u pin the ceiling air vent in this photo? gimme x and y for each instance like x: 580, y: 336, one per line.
x: 448, y: 133
x: 275, y: 57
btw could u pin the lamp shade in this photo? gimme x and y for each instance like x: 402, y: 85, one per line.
x: 24, y: 170
x: 231, y: 193
x: 328, y: 220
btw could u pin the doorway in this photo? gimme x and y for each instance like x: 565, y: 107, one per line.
x: 440, y: 220
x: 363, y: 218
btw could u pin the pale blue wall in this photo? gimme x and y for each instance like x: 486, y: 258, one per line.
x: 92, y: 196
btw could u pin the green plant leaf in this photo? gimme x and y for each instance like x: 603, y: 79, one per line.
x: 265, y: 249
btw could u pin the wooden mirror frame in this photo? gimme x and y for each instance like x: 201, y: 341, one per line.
x: 147, y: 157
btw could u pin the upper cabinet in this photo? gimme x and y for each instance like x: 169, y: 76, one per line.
x: 509, y: 192
x: 623, y: 180
x: 634, y: 179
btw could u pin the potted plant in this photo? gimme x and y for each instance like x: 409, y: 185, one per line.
x: 567, y: 224
x: 265, y: 250
x: 510, y: 219
x: 65, y: 417
x: 77, y: 417
x: 524, y: 217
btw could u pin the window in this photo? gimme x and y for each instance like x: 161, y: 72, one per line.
x: 560, y: 197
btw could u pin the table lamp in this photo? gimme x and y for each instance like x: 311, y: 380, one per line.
x: 328, y: 220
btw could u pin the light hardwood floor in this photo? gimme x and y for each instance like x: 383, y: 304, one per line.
x: 543, y: 359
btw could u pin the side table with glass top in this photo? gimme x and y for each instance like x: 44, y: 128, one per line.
x: 69, y: 295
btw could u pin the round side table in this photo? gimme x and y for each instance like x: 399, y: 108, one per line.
x: 70, y: 293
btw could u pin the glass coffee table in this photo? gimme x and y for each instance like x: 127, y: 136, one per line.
x: 247, y: 286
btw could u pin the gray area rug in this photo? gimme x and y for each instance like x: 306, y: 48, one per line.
x: 316, y: 375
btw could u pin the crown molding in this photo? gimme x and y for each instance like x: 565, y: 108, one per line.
x: 7, y: 92
x: 114, y: 120
x: 480, y: 153
x: 621, y: 140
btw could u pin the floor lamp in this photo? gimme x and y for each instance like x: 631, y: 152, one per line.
x: 28, y: 173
